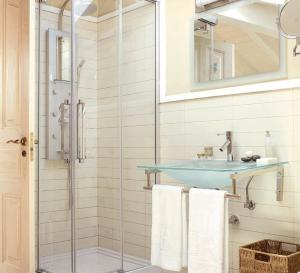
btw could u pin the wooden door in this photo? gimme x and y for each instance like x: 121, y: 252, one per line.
x: 14, y: 125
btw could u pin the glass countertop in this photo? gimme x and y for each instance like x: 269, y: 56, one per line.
x: 210, y: 166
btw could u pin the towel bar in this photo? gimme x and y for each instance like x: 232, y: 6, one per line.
x: 185, y: 190
x: 228, y: 195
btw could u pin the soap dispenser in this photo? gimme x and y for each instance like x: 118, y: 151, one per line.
x: 268, y: 145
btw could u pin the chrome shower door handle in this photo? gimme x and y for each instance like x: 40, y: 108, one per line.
x: 81, y: 133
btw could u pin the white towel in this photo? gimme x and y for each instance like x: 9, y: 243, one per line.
x: 208, y: 231
x: 169, y: 227
x: 184, y: 238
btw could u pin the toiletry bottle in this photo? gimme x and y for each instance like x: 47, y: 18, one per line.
x: 268, y: 145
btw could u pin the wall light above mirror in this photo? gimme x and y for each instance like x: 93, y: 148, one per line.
x: 222, y: 45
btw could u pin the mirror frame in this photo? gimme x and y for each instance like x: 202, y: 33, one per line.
x: 263, y: 83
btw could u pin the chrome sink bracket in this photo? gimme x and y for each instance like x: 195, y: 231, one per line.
x: 233, y: 185
x: 280, y: 183
x: 249, y: 204
x: 148, y: 175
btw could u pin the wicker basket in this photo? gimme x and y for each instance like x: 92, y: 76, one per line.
x: 269, y: 256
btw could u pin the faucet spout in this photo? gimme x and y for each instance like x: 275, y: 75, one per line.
x: 228, y: 146
x: 225, y: 145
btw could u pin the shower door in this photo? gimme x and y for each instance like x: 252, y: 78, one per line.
x: 54, y: 215
x: 117, y: 86
x: 91, y: 109
x: 94, y: 216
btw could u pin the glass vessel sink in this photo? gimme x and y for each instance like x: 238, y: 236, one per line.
x: 207, y: 173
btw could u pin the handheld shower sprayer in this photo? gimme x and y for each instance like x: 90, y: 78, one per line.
x: 79, y: 67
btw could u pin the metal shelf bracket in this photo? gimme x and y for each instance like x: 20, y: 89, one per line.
x: 280, y: 184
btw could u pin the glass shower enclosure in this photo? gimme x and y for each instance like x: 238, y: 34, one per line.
x: 97, y: 119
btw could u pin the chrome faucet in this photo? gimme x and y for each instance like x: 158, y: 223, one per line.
x: 228, y: 146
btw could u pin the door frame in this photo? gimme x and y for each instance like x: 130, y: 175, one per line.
x: 31, y: 136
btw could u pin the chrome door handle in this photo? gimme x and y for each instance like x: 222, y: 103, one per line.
x: 22, y: 141
x: 81, y: 136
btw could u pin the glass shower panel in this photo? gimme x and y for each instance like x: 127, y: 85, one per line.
x: 138, y: 99
x: 98, y: 236
x: 115, y: 59
x: 53, y: 87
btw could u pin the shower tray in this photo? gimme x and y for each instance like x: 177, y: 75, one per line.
x: 212, y: 174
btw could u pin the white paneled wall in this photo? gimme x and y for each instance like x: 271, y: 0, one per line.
x: 188, y: 126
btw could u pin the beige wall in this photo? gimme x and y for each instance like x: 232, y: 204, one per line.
x: 178, y: 23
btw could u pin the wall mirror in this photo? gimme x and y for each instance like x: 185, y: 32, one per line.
x: 217, y: 47
x: 238, y: 40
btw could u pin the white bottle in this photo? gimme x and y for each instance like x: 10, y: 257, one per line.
x: 268, y: 145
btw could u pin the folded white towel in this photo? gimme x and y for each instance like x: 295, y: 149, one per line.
x: 184, y: 232
x: 208, y: 231
x: 169, y: 227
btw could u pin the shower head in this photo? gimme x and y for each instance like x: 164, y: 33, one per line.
x: 79, y: 67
